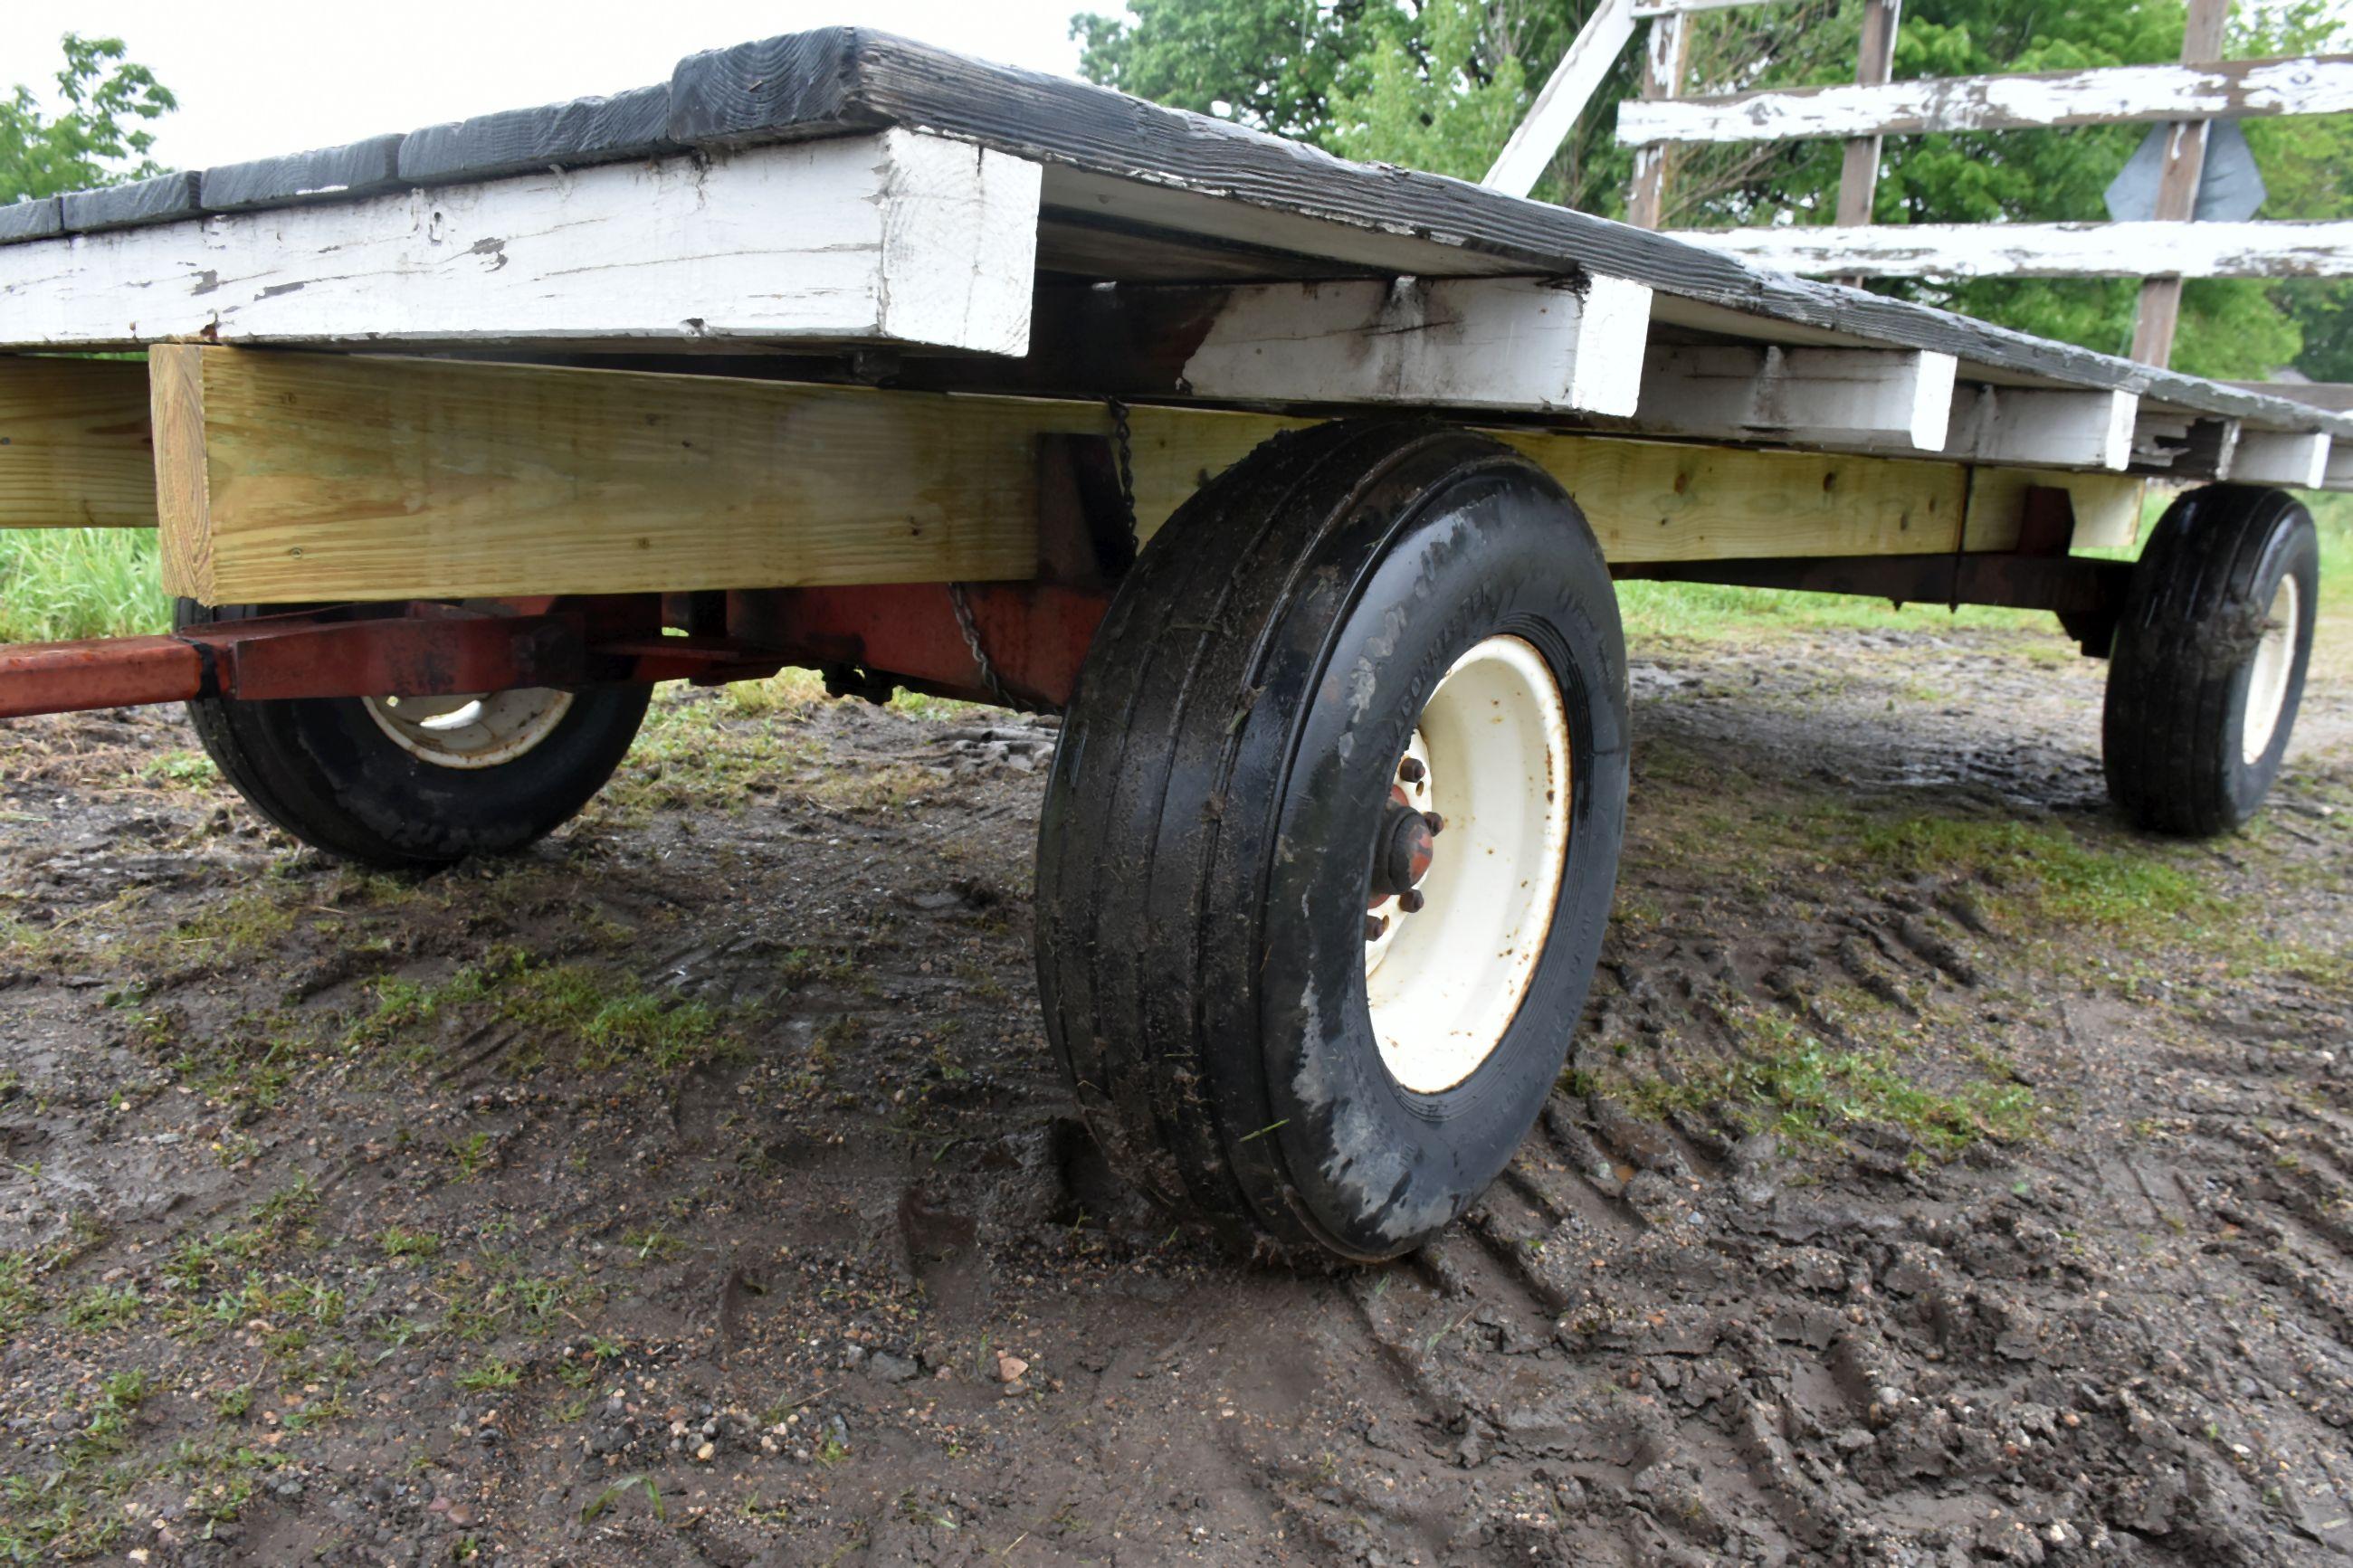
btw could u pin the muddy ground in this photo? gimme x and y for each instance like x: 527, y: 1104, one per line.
x: 1942, y: 1174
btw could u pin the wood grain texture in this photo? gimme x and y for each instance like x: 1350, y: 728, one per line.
x: 162, y: 199
x: 1645, y: 12
x: 74, y: 450
x: 2314, y: 249
x: 176, y: 394
x: 891, y: 237
x: 2029, y: 426
x: 37, y: 219
x: 1858, y: 165
x: 1666, y: 56
x: 2234, y: 89
x: 1106, y: 151
x: 1530, y: 344
x: 2108, y: 506
x: 1873, y: 398
x: 2184, y: 171
x: 2295, y: 458
x: 633, y: 124
x: 285, y: 476
x: 1652, y: 501
x: 295, y: 477
x: 358, y: 169
x: 1318, y: 204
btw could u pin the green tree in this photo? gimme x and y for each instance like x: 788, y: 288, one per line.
x: 99, y: 137
x: 1267, y: 64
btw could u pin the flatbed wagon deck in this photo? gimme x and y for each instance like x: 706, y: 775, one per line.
x: 1299, y: 483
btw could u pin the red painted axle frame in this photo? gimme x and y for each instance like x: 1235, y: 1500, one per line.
x: 1033, y: 636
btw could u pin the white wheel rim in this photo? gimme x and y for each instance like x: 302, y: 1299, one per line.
x: 2267, y: 681
x: 478, y: 730
x: 1445, y: 983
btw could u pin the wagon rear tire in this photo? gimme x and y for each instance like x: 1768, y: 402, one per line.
x: 2208, y: 664
x: 1358, y: 636
x: 362, y: 780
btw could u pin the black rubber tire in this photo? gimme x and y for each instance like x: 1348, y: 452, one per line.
x: 1204, y: 858
x: 322, y: 769
x: 2184, y: 658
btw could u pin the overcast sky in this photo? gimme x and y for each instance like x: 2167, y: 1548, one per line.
x: 261, y: 76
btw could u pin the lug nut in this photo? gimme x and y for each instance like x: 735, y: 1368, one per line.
x: 1374, y: 926
x: 1437, y: 823
x: 1411, y: 770
x: 1411, y: 900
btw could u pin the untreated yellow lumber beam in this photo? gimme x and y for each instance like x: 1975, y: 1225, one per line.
x: 292, y: 477
x: 74, y: 451
x: 297, y: 476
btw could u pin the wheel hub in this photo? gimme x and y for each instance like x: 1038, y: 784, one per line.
x: 473, y: 730
x: 1452, y: 940
x: 2267, y: 681
x: 1408, y: 846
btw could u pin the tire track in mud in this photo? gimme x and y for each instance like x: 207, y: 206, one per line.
x: 1664, y: 1337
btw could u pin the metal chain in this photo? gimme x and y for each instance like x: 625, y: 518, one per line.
x: 988, y: 676
x: 1123, y: 444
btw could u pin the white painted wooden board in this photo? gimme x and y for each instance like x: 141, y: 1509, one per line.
x: 2045, y: 249
x: 2297, y: 458
x: 1564, y: 94
x: 1451, y: 342
x: 892, y: 237
x: 1675, y: 8
x: 2030, y: 426
x: 1872, y: 397
x: 2339, y: 473
x: 2113, y: 95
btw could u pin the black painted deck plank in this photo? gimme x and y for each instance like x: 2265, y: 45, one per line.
x: 347, y: 173
x: 162, y: 199
x: 38, y: 219
x: 631, y: 124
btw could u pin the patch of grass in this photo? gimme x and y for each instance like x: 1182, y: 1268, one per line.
x: 18, y: 1299
x: 181, y: 770
x: 103, y: 1307
x: 2050, y: 870
x: 473, y: 1153
x: 788, y: 693
x: 403, y: 1004
x: 652, y: 1245
x: 58, y: 583
x: 490, y: 1372
x: 614, y: 1020
x: 610, y: 1020
x: 1719, y: 610
x: 233, y: 928
x: 1789, y: 1081
x: 920, y: 705
x: 399, y: 1243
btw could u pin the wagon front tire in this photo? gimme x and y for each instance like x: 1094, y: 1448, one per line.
x: 413, y: 784
x: 2209, y: 658
x: 1329, y: 842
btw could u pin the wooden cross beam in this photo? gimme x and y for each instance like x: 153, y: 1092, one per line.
x: 2321, y: 249
x: 896, y: 237
x: 2109, y: 95
x: 288, y: 477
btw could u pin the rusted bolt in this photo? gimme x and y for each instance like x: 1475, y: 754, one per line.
x: 1437, y: 823
x: 1411, y: 770
x: 1374, y: 926
x: 1411, y: 900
